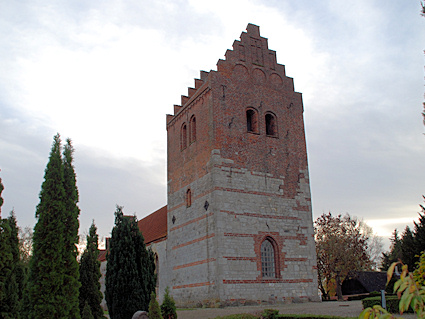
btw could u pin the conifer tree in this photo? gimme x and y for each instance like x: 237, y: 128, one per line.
x: 130, y: 276
x: 16, y: 278
x: 408, y: 248
x: 6, y: 256
x: 71, y: 283
x: 168, y: 307
x: 1, y: 198
x: 46, y: 278
x: 6, y: 265
x: 86, y: 312
x: 395, y: 252
x: 89, y: 276
x: 153, y: 310
x: 419, y: 232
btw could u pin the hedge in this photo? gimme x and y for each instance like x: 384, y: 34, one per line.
x: 284, y: 316
x: 391, y: 301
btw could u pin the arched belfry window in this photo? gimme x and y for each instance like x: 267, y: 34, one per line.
x: 192, y: 126
x: 188, y: 198
x: 268, y: 262
x: 252, y: 121
x: 271, y: 125
x: 183, y: 137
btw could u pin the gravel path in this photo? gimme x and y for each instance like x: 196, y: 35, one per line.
x: 335, y: 308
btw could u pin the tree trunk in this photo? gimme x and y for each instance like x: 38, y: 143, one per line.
x: 338, y: 287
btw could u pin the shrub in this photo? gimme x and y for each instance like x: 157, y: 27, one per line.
x: 391, y: 301
x: 269, y: 314
x: 374, y: 294
x: 168, y: 307
x: 303, y: 316
x: 239, y: 316
x: 154, y: 311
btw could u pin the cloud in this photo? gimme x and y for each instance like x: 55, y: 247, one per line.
x: 104, y: 180
x: 105, y: 73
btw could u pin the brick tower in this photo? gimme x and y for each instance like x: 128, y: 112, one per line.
x: 239, y: 214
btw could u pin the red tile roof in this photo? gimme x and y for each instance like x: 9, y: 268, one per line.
x: 102, y: 255
x: 154, y: 226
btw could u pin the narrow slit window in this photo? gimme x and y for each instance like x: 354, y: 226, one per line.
x: 251, y: 121
x: 271, y: 127
x: 188, y: 198
x: 192, y: 129
x: 268, y: 259
x: 183, y: 137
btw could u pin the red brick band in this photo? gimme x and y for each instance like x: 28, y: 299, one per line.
x: 260, y: 215
x: 191, y: 221
x: 295, y: 259
x: 200, y: 262
x: 265, y: 281
x: 241, y: 258
x: 199, y: 284
x: 194, y: 241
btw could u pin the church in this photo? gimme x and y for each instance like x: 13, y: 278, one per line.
x: 237, y: 228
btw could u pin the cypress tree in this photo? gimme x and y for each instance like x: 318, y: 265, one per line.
x: 71, y: 283
x: 46, y: 278
x: 6, y: 257
x: 89, y: 276
x: 16, y: 279
x: 1, y: 198
x: 130, y: 276
x: 6, y: 265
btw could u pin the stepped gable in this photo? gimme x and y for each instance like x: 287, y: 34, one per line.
x: 251, y: 55
x: 250, y: 59
x: 192, y: 92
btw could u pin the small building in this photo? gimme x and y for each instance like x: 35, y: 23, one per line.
x: 364, y: 282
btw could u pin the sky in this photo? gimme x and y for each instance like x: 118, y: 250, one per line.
x: 106, y: 72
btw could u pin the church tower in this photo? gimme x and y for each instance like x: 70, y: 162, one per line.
x: 239, y: 215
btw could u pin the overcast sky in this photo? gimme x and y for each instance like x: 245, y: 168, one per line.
x: 105, y: 72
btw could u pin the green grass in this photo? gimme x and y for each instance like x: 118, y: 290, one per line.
x: 238, y: 316
x: 283, y: 316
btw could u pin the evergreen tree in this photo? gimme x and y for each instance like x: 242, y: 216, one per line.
x: 6, y: 265
x: 419, y: 233
x: 46, y: 278
x: 16, y: 279
x: 86, y: 312
x: 130, y: 276
x: 154, y: 311
x: 408, y: 249
x: 89, y: 276
x: 394, y: 254
x: 168, y: 307
x: 71, y: 283
x: 11, y: 269
x: 1, y: 198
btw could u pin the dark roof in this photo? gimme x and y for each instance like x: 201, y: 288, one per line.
x: 367, y: 281
x: 372, y: 280
x: 154, y: 226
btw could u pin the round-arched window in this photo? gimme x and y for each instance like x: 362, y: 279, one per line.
x: 268, y: 268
